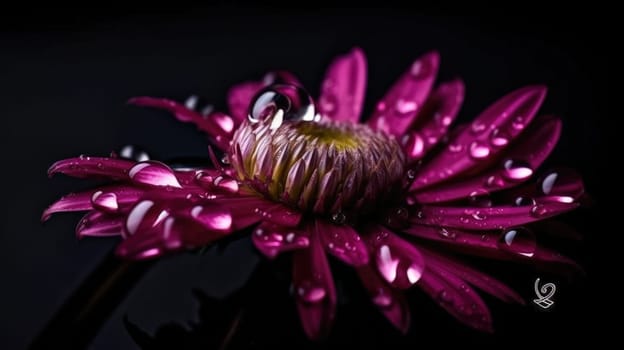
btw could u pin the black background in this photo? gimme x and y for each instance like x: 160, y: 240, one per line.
x: 65, y: 76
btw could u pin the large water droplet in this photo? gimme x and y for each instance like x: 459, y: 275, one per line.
x: 517, y: 170
x: 560, y: 185
x: 226, y: 184
x: 293, y: 101
x: 153, y: 173
x: 105, y: 201
x: 480, y: 198
x: 133, y: 152
x: 311, y: 292
x: 478, y: 150
x: 414, y: 145
x: 499, y: 138
x: 522, y: 201
x: 518, y: 240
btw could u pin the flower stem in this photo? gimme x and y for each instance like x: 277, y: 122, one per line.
x: 78, y: 321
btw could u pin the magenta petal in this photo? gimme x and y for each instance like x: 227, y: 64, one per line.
x: 488, y: 218
x: 472, y: 276
x: 245, y: 211
x: 98, y: 224
x: 437, y: 115
x: 398, y: 109
x: 281, y: 215
x: 344, y: 85
x: 343, y: 242
x: 528, y: 154
x: 314, y: 288
x: 217, y: 125
x: 271, y: 239
x: 71, y: 202
x: 124, y: 197
x: 153, y: 173
x: 82, y: 166
x: 456, y: 297
x: 478, y: 145
x: 487, y: 244
x: 240, y: 95
x: 388, y: 300
x: 398, y: 261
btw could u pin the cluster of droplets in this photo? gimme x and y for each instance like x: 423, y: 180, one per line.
x: 279, y: 103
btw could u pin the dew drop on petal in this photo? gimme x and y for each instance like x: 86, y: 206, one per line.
x: 499, y: 138
x: 480, y: 198
x: 136, y: 215
x: 518, y: 123
x: 444, y: 232
x: 455, y: 147
x: 339, y: 218
x: 518, y: 240
x: 105, y: 201
x: 561, y: 185
x: 479, y: 150
x: 538, y: 211
x: 477, y: 127
x: 522, y: 201
x: 414, y: 145
x: 405, y: 107
x: 293, y: 101
x: 311, y: 292
x: 133, y: 152
x: 494, y: 181
x: 382, y: 298
x: 517, y: 170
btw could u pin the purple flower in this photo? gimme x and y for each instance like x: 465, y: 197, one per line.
x: 392, y: 196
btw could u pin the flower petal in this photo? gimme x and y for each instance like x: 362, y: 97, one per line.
x: 82, y: 166
x: 456, y: 297
x: 98, y: 224
x: 388, y: 300
x: 489, y: 218
x: 314, y: 288
x: 487, y: 244
x: 472, y: 276
x: 398, y: 109
x: 343, y: 242
x: 344, y: 85
x: 125, y: 196
x: 281, y: 215
x: 398, y: 261
x: 245, y: 210
x: 434, y: 119
x: 528, y: 154
x: 271, y: 239
x: 240, y: 95
x: 473, y: 148
x: 217, y: 125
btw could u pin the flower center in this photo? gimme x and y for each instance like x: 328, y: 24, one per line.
x: 328, y: 168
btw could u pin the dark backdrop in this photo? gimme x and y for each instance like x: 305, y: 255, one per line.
x: 64, y: 80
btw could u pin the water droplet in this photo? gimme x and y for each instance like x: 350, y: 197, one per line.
x: 518, y: 240
x: 133, y: 152
x: 105, y: 201
x: 310, y: 292
x: 416, y: 70
x: 477, y: 215
x: 522, y: 201
x: 518, y: 123
x: 455, y: 147
x: 225, y: 159
x: 290, y: 237
x: 498, y: 138
x: 480, y: 198
x: 411, y: 174
x: 444, y: 297
x: 405, y: 107
x: 444, y: 232
x: 560, y: 185
x: 153, y: 173
x: 494, y: 181
x: 203, y: 179
x: 477, y: 127
x: 397, y: 269
x: 479, y: 150
x: 381, y: 106
x: 538, y: 211
x: 339, y: 218
x: 136, y: 216
x: 293, y: 101
x: 517, y: 170
x: 443, y: 119
x: 226, y: 183
x: 191, y: 102
x: 382, y: 298
x: 414, y: 145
